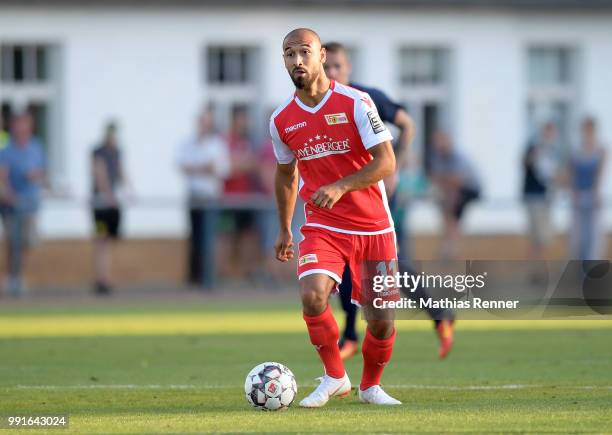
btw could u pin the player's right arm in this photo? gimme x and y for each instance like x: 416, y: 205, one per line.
x: 285, y: 189
x: 382, y: 165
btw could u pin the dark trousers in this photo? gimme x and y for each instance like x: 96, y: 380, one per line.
x: 203, y: 223
x: 196, y: 249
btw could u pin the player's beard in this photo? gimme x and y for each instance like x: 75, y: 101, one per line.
x: 302, y: 82
x: 298, y: 82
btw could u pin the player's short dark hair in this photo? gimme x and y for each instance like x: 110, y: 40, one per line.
x: 335, y: 47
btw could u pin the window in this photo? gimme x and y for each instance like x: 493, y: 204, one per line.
x: 552, y: 89
x: 230, y: 65
x: 549, y: 66
x: 28, y: 82
x: 422, y: 66
x: 425, y: 90
x: 232, y: 80
x: 24, y: 63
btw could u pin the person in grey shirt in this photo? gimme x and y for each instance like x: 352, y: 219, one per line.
x: 22, y: 174
x: 107, y: 177
x: 204, y: 160
x: 458, y: 185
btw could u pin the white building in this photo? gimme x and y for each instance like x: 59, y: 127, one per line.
x: 488, y: 71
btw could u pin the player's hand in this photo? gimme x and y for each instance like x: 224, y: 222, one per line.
x: 327, y: 195
x: 284, y: 246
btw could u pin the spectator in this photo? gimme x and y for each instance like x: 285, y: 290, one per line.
x: 205, y: 162
x: 267, y: 221
x: 540, y: 169
x: 458, y: 185
x: 585, y: 170
x: 22, y: 175
x: 412, y: 184
x: 242, y: 182
x: 107, y: 177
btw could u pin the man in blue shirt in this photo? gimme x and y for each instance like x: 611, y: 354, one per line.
x: 338, y: 67
x: 21, y: 177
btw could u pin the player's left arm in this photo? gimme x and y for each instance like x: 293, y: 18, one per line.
x: 382, y: 165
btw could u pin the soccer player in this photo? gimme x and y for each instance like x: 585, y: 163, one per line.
x: 338, y: 67
x: 333, y: 136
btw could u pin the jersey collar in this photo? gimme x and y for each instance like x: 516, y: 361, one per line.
x: 315, y: 109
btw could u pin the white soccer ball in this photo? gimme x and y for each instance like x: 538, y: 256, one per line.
x: 270, y: 386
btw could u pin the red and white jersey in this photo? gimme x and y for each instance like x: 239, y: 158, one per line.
x: 331, y: 141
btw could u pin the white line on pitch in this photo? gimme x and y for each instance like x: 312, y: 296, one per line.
x: 115, y: 387
x: 208, y: 387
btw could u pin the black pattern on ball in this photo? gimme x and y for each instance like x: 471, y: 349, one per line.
x: 270, y: 387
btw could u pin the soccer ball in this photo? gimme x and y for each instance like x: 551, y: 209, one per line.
x: 270, y: 386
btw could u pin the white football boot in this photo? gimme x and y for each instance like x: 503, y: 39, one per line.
x: 377, y: 396
x: 328, y: 388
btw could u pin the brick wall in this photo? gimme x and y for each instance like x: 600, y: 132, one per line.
x: 68, y: 263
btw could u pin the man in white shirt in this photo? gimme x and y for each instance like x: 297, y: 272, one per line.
x: 205, y: 162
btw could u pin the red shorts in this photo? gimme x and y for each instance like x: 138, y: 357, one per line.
x: 327, y: 252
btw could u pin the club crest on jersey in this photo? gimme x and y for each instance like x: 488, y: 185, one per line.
x: 308, y: 258
x: 336, y: 118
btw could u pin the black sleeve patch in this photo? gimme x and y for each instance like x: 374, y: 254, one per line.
x: 377, y: 125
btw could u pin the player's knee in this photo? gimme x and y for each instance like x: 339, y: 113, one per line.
x: 314, y: 300
x: 381, y: 329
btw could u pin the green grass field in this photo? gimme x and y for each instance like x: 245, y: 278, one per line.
x: 181, y: 368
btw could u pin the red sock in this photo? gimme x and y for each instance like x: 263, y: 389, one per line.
x: 376, y: 354
x: 324, y: 334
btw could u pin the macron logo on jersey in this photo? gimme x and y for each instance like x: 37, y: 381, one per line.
x: 314, y: 148
x: 295, y: 126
